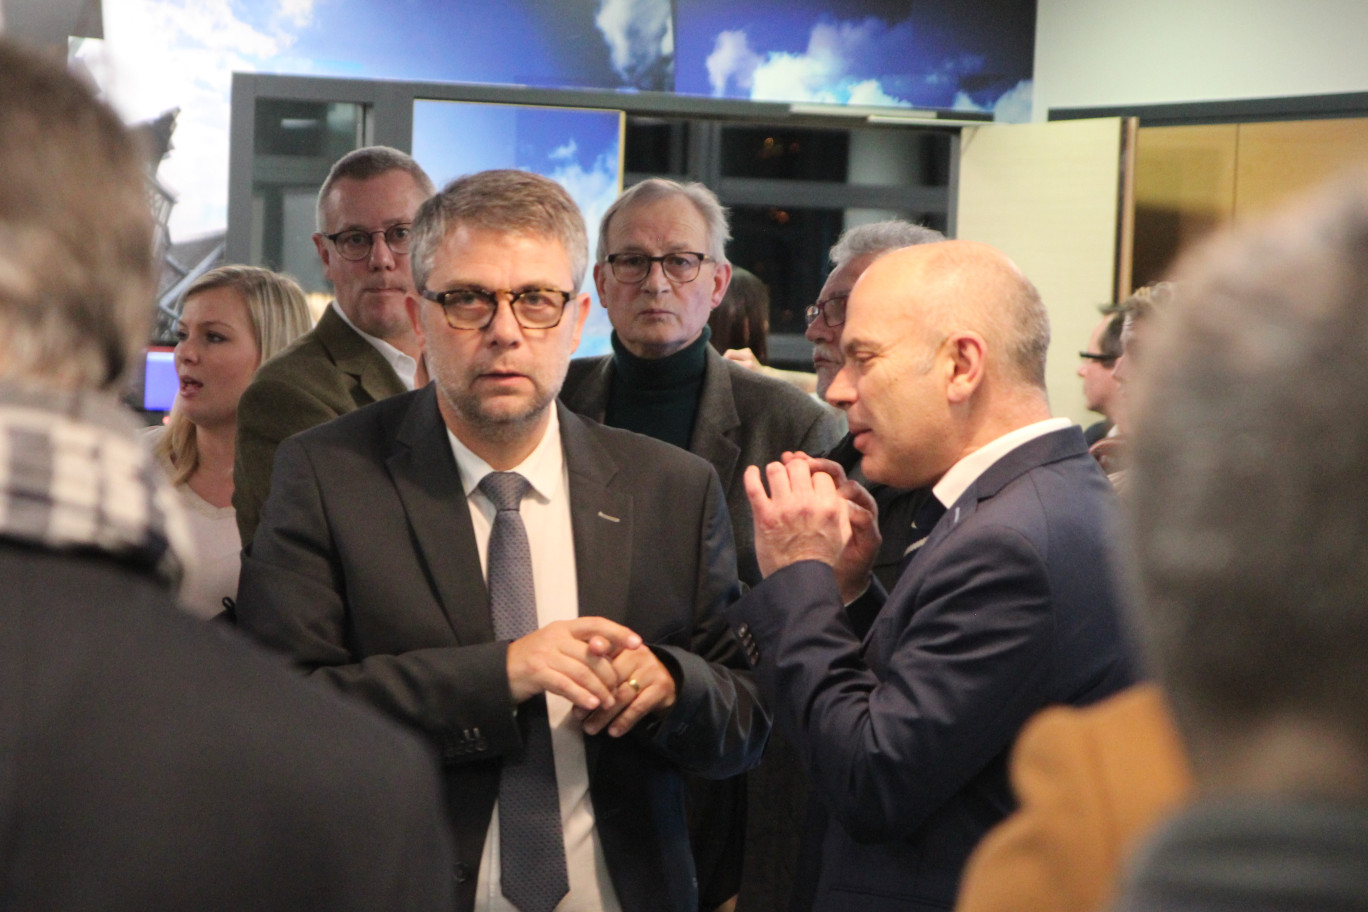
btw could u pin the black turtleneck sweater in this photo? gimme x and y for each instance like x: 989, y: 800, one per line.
x: 657, y: 397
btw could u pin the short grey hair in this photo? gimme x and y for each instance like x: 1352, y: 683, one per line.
x: 76, y: 242
x: 880, y: 237
x: 1250, y: 475
x: 364, y: 164
x: 658, y: 188
x: 505, y: 200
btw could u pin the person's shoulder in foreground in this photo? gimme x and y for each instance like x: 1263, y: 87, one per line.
x: 158, y: 762
x: 1092, y: 782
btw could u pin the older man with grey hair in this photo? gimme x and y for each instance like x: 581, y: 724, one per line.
x: 150, y: 761
x: 661, y: 268
x: 851, y: 255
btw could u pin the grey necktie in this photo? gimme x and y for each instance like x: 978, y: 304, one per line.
x: 532, y: 842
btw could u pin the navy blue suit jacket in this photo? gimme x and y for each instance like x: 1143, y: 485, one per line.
x: 1009, y: 606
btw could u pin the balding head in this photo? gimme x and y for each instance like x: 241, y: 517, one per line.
x: 945, y: 350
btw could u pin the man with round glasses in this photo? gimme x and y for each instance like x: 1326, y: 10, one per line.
x: 851, y: 255
x: 537, y: 594
x: 364, y: 348
x: 660, y: 269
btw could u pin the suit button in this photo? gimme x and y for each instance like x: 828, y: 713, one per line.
x: 461, y: 873
x: 744, y: 629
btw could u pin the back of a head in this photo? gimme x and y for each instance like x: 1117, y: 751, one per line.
x: 504, y: 200
x: 742, y: 319
x: 980, y: 289
x: 880, y: 237
x: 1250, y: 475
x: 76, y: 243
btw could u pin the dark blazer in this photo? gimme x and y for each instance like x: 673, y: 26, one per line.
x: 326, y: 372
x: 1008, y: 607
x: 149, y: 760
x: 365, y: 570
x: 743, y: 419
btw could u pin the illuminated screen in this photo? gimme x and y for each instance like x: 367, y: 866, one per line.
x: 159, y: 380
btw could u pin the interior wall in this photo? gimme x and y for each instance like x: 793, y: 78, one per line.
x: 1101, y: 53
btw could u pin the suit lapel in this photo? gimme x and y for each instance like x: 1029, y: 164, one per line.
x: 586, y: 386
x: 355, y: 356
x: 1043, y: 450
x: 716, y: 421
x: 429, y: 486
x: 601, y: 518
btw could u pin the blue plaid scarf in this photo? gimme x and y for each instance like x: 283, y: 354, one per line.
x: 74, y: 477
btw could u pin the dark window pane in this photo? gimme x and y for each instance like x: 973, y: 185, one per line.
x: 785, y: 153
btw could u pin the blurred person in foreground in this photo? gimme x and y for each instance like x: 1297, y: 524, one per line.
x: 232, y: 319
x: 150, y: 761
x: 1248, y: 479
x: 1007, y: 606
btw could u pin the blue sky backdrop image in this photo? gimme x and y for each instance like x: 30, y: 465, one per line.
x: 164, y: 54
x: 927, y: 54
x: 578, y: 149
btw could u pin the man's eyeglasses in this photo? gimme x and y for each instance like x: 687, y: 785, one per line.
x: 681, y: 266
x: 356, y: 243
x: 832, y: 311
x: 474, y: 308
x: 1100, y: 357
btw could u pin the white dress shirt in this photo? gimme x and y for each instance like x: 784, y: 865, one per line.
x: 405, y: 366
x: 546, y: 515
x: 965, y: 472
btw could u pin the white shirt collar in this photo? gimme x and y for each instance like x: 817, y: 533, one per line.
x: 965, y: 472
x: 543, y: 467
x: 405, y: 366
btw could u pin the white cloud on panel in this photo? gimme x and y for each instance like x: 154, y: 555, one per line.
x: 640, y: 38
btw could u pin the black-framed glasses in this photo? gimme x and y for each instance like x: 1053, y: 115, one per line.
x: 356, y: 243
x: 1101, y: 358
x: 681, y: 266
x: 470, y: 307
x: 831, y: 310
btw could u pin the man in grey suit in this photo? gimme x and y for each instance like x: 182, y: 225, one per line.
x: 660, y: 269
x: 363, y: 349
x: 368, y: 570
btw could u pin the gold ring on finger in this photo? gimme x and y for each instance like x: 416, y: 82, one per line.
x: 632, y: 683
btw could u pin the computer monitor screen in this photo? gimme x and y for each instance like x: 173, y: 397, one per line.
x: 159, y: 379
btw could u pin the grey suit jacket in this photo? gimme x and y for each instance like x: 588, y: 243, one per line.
x: 743, y: 419
x: 365, y: 570
x: 326, y: 372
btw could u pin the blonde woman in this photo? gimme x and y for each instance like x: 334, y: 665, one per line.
x: 232, y: 319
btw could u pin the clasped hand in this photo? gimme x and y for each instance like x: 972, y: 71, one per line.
x: 813, y: 512
x: 603, y: 668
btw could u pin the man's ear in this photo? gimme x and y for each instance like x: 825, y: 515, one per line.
x: 583, y: 305
x: 321, y: 246
x: 721, y: 279
x: 967, y: 352
x: 600, y: 278
x: 414, y: 305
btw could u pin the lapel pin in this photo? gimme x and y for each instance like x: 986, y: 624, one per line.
x: 603, y: 515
